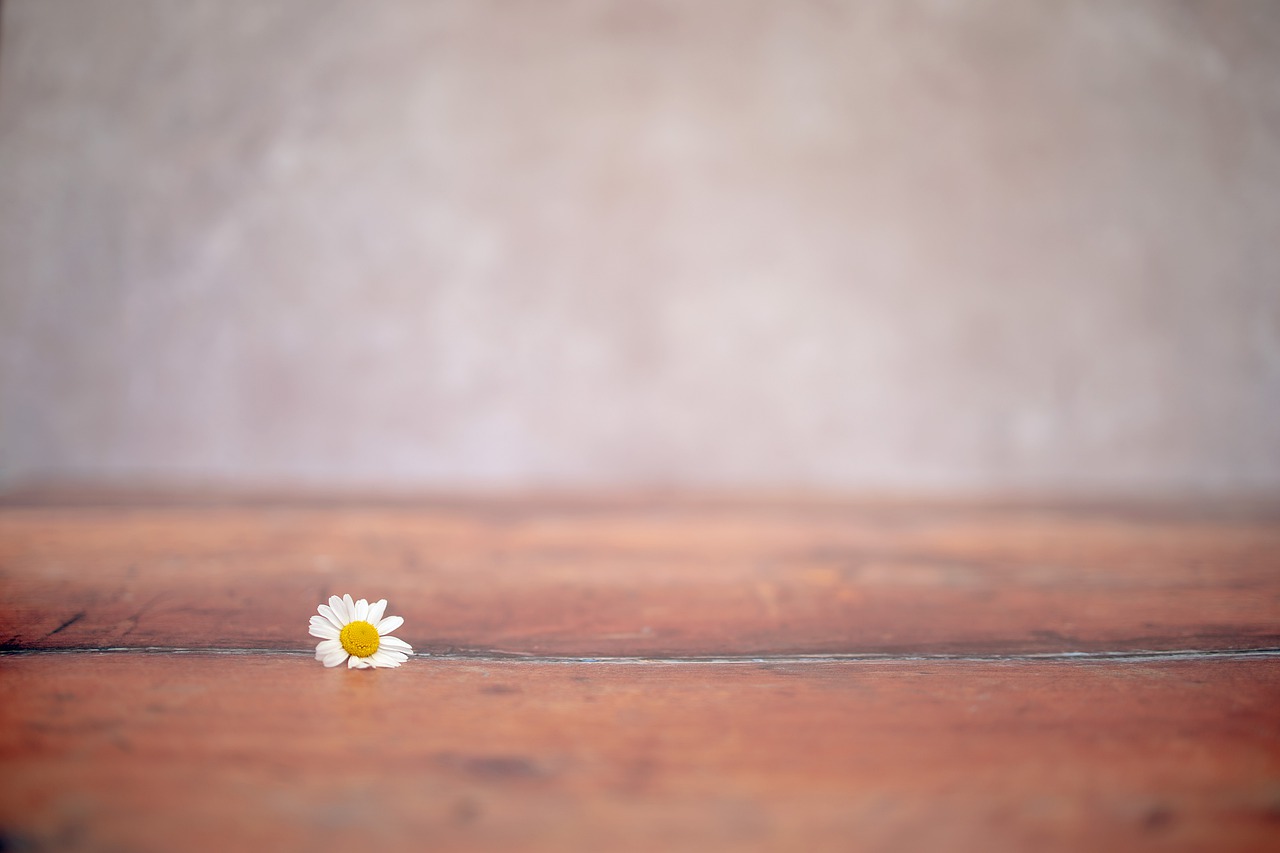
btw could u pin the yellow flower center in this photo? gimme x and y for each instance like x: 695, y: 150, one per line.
x: 359, y: 639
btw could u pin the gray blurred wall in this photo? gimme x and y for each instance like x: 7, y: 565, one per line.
x: 903, y: 246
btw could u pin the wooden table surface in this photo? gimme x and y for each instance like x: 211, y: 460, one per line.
x: 631, y: 673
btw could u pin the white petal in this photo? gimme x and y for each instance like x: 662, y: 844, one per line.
x: 397, y: 644
x: 351, y: 607
x: 324, y: 647
x: 320, y: 627
x: 357, y: 663
x: 362, y: 610
x: 335, y: 658
x: 386, y: 626
x: 383, y: 658
x: 376, y: 611
x: 339, y: 609
x: 332, y: 617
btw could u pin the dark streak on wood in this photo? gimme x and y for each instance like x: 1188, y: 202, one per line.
x: 67, y: 624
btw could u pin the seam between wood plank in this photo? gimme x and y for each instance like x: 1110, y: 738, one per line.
x: 852, y: 658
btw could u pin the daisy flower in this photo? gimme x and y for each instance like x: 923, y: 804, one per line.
x: 356, y: 632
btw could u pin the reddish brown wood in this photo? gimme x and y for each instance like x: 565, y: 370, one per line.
x: 647, y: 577
x: 138, y: 751
x: 171, y: 751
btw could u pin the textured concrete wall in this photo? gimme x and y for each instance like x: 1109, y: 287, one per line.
x: 881, y: 245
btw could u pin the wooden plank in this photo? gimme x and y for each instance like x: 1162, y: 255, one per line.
x: 272, y: 752
x: 654, y: 578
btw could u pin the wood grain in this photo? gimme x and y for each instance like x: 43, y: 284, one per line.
x: 645, y: 576
x: 136, y: 751
x: 266, y: 749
